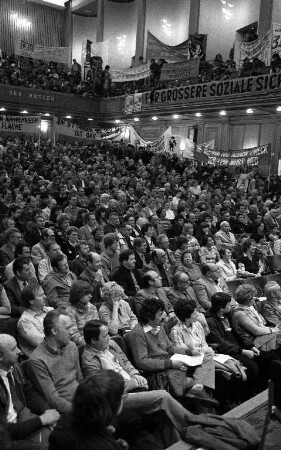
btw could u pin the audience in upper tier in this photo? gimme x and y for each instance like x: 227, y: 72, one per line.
x: 128, y: 229
x: 56, y: 77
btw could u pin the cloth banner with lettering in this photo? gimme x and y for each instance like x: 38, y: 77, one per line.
x: 130, y: 74
x: 133, y: 103
x: 191, y: 48
x: 261, y: 48
x: 276, y: 39
x: 180, y: 71
x: 20, y: 124
x: 56, y: 54
x: 246, y: 157
x: 67, y: 128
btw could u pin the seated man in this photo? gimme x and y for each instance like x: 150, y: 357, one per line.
x: 127, y: 275
x: 22, y: 249
x: 152, y: 349
x: 102, y: 353
x: 109, y: 257
x: 86, y: 233
x: 38, y: 250
x: 92, y: 274
x: 25, y: 427
x: 53, y: 367
x: 141, y: 257
x: 115, y: 311
x: 7, y: 252
x: 78, y: 264
x: 158, y: 264
x: 224, y: 238
x: 30, y: 324
x: 15, y: 285
x: 52, y: 249
x: 152, y: 288
x: 207, y: 285
x: 57, y: 284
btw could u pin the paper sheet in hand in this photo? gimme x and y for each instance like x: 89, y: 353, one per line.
x: 220, y: 358
x: 191, y: 361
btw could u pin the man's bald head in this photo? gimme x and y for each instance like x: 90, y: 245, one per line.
x: 9, y: 351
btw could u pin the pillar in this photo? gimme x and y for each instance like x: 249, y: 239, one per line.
x: 100, y: 27
x: 194, y: 17
x: 265, y: 17
x: 140, y: 36
x: 68, y: 39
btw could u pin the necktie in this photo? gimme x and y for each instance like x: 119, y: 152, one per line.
x: 18, y: 405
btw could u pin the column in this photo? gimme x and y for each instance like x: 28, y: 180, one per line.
x: 140, y: 36
x: 68, y: 29
x: 100, y: 28
x: 194, y: 17
x: 265, y: 17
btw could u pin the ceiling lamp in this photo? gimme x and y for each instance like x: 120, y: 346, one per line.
x: 24, y: 112
x: 278, y: 108
x: 2, y: 109
x: 117, y: 121
x: 223, y: 113
x: 136, y: 119
x: 68, y: 117
x: 90, y: 118
x: 176, y: 116
x: 154, y: 118
x: 198, y: 114
x: 249, y: 111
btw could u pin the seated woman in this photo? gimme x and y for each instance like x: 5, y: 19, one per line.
x: 97, y: 402
x: 80, y: 310
x: 30, y: 325
x: 252, y: 261
x: 249, y: 324
x: 182, y: 245
x: 189, y: 267
x: 189, y: 334
x: 193, y: 244
x: 149, y: 236
x: 228, y: 269
x: 115, y: 311
x: 208, y: 253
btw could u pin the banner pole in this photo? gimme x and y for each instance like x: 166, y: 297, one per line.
x: 54, y: 130
x: 39, y: 137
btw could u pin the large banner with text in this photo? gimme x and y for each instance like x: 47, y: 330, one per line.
x: 261, y: 49
x: 248, y: 157
x: 260, y: 84
x: 20, y: 124
x: 29, y: 50
x: 68, y: 128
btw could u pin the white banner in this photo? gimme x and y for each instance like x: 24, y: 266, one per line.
x: 20, y: 124
x: 276, y: 39
x: 181, y: 70
x: 56, y: 54
x: 261, y: 48
x: 68, y: 128
x: 131, y: 74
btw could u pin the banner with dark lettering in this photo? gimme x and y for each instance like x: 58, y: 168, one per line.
x: 261, y: 49
x: 68, y: 128
x: 276, y: 39
x: 20, y: 124
x: 130, y: 74
x: 191, y: 48
x: 180, y: 71
x: 248, y: 157
x: 238, y: 87
x: 29, y: 50
x: 133, y: 103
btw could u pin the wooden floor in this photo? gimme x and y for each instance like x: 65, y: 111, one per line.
x: 254, y: 412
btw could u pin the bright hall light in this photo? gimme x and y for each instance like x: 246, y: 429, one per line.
x: 198, y: 114
x: 154, y: 118
x: 68, y: 117
x: 249, y: 111
x: 90, y: 118
x: 47, y: 114
x: 223, y: 113
x: 278, y: 108
x: 24, y: 112
x: 2, y: 109
x: 136, y: 119
x: 117, y: 121
x: 44, y: 126
x: 175, y: 116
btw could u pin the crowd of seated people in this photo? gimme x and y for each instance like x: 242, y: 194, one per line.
x: 56, y: 77
x: 112, y: 250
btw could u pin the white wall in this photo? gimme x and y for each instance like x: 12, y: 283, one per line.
x: 221, y: 31
x: 83, y: 28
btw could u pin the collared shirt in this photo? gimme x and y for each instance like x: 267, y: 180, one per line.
x: 30, y: 329
x: 192, y: 337
x: 44, y: 268
x: 12, y: 414
x: 228, y: 270
x: 110, y: 362
x: 21, y: 283
x: 149, y: 328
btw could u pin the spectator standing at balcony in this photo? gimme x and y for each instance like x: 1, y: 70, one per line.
x: 76, y: 68
x: 106, y: 81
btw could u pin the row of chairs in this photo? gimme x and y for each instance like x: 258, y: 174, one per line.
x: 257, y: 282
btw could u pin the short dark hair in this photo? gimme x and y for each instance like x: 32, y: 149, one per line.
x: 109, y: 239
x: 91, y: 330
x: 78, y: 289
x: 181, y: 241
x: 49, y: 244
x: 185, y: 253
x: 28, y: 292
x: 139, y: 241
x: 96, y: 402
x: 11, y: 232
x: 219, y: 300
x: 19, y: 247
x: 56, y: 260
x: 125, y: 255
x: 183, y: 309
x: 146, y: 226
x: 19, y: 263
x: 149, y: 308
x: 247, y: 244
x: 205, y: 269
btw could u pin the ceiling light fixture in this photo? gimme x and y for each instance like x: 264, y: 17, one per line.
x: 24, y: 112
x: 198, y: 114
x: 68, y: 117
x: 154, y: 118
x: 47, y: 114
x: 278, y: 108
x: 2, y: 109
x: 223, y: 113
x: 249, y: 111
x: 90, y: 118
x: 136, y: 119
x: 117, y: 121
x: 176, y: 116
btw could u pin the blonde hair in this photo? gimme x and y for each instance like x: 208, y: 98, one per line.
x: 111, y: 289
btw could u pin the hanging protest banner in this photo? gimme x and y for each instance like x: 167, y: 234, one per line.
x: 246, y: 157
x: 193, y: 47
x: 276, y: 39
x: 261, y: 49
x: 130, y: 74
x: 56, y: 54
x: 258, y: 85
x: 133, y: 103
x: 67, y: 128
x: 20, y: 124
x: 180, y: 71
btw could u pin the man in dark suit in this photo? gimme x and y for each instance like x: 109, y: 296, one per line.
x: 14, y: 286
x: 127, y: 275
x: 141, y: 257
x: 28, y: 428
